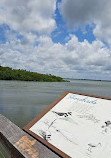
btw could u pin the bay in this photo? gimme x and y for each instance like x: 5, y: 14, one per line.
x: 21, y: 101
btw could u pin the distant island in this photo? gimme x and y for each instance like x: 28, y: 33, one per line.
x: 7, y: 73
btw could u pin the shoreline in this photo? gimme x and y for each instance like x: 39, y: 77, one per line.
x: 88, y: 80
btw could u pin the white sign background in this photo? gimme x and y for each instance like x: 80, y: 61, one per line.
x: 79, y: 126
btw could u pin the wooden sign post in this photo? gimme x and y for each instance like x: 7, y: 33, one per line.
x: 75, y: 125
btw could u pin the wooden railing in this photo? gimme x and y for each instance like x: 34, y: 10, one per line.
x: 20, y: 144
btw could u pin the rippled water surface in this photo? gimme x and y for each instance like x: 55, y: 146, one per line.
x: 21, y: 101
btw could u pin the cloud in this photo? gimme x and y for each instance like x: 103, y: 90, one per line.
x: 30, y: 46
x: 77, y: 12
x: 74, y: 59
x: 28, y: 15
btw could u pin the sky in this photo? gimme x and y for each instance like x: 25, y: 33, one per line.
x: 67, y: 38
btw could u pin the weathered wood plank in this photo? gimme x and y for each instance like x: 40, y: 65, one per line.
x: 20, y: 143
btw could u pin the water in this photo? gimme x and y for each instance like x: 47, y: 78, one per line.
x: 21, y: 101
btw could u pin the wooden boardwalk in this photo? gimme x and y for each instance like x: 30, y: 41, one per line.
x: 21, y: 144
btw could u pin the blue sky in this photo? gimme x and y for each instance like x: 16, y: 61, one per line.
x: 67, y: 38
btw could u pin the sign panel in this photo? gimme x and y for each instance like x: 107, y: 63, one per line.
x: 76, y: 125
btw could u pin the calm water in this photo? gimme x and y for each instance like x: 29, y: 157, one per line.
x: 21, y: 101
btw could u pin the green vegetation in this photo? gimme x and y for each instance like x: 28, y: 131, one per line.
x: 7, y: 73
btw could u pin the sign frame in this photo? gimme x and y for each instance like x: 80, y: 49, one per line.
x: 38, y: 117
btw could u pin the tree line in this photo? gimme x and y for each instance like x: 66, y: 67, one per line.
x: 7, y: 73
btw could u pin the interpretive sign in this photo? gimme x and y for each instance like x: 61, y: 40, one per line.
x: 75, y: 125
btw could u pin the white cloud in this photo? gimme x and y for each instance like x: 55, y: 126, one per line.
x: 74, y: 59
x: 28, y: 15
x: 77, y: 12
x: 34, y: 50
